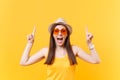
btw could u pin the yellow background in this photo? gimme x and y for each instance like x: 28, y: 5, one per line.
x: 17, y: 18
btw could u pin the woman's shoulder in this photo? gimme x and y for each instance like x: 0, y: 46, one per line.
x: 76, y: 49
x: 44, y: 50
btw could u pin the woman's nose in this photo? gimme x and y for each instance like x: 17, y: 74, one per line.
x: 60, y: 33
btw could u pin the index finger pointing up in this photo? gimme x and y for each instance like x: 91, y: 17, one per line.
x: 34, y: 30
x: 86, y: 30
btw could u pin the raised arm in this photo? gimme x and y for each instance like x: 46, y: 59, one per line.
x: 26, y: 59
x: 93, y: 56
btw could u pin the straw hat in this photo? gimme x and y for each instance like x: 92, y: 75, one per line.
x: 61, y: 21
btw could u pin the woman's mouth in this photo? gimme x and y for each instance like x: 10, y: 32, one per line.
x: 60, y: 40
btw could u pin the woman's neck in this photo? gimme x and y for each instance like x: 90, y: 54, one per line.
x: 60, y: 51
x: 59, y: 47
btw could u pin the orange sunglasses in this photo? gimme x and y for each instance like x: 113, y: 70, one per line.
x: 63, y: 31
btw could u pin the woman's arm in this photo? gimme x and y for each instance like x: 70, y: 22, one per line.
x: 26, y: 59
x: 93, y: 56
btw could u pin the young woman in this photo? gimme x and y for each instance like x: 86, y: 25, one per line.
x: 60, y: 55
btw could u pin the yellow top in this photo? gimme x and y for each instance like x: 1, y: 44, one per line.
x: 61, y: 70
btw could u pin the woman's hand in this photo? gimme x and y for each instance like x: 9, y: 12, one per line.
x: 89, y: 36
x: 30, y: 37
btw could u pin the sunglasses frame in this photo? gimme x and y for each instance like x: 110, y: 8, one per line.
x: 63, y: 31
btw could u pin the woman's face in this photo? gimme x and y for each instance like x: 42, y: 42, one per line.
x: 60, y: 34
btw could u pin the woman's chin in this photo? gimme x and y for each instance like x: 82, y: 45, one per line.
x: 60, y: 44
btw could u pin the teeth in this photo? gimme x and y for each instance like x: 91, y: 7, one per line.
x: 59, y: 38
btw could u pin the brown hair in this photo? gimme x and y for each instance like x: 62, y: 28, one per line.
x: 52, y: 47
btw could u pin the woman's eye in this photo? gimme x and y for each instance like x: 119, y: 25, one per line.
x: 56, y: 30
x: 63, y: 30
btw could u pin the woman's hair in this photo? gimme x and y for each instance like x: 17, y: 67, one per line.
x: 52, y: 47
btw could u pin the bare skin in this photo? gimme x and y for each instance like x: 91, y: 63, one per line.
x: 60, y: 51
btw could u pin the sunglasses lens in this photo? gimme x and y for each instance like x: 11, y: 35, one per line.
x: 56, y: 31
x: 64, y: 31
